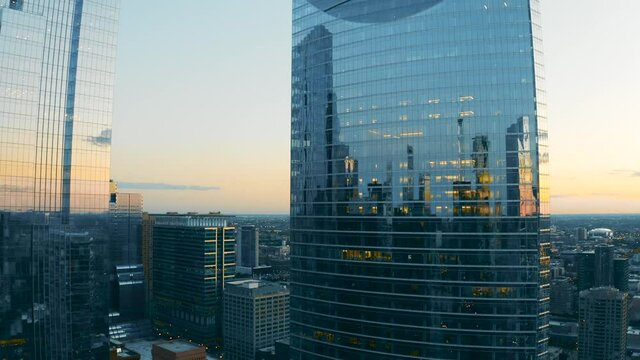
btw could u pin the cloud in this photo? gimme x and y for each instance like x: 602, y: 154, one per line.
x: 104, y: 139
x: 560, y: 196
x: 163, y: 186
x: 631, y: 173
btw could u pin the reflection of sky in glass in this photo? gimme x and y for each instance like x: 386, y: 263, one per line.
x: 375, y: 10
x: 57, y: 67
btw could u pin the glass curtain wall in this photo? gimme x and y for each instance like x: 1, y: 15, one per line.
x: 419, y: 181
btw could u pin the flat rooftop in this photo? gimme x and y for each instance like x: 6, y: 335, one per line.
x: 178, y: 346
x: 143, y: 347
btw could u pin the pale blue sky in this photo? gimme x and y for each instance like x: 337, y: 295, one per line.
x: 202, y: 102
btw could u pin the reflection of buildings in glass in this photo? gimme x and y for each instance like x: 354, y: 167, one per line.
x: 480, y: 158
x: 313, y: 98
x: 521, y: 196
x: 400, y: 235
x: 55, y: 138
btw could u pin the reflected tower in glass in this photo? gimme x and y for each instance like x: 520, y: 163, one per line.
x: 419, y: 184
x: 56, y: 84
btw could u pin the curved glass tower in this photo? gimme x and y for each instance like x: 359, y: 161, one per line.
x: 57, y: 60
x: 419, y: 192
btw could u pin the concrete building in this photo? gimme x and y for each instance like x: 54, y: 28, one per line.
x: 602, y: 325
x: 193, y: 257
x: 178, y: 350
x: 256, y: 315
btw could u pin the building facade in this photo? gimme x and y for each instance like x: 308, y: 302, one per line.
x: 602, y: 324
x: 563, y: 297
x: 57, y: 63
x: 603, y: 265
x: 127, y: 286
x: 601, y: 268
x: 256, y: 315
x: 419, y: 183
x: 193, y: 258
x: 147, y: 258
x: 621, y: 274
x: 125, y: 245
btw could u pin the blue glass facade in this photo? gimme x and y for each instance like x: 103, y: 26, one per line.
x: 57, y: 63
x: 419, y: 182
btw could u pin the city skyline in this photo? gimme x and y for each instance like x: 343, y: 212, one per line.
x: 225, y: 62
x: 319, y: 179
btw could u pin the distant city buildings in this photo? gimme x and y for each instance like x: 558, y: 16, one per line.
x: 581, y: 234
x: 602, y: 268
x: 193, y: 258
x: 600, y: 234
x: 621, y: 274
x: 248, y: 246
x: 603, y: 324
x: 563, y: 297
x: 147, y: 258
x: 256, y: 315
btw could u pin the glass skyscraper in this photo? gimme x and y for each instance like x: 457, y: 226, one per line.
x: 419, y: 183
x: 56, y: 84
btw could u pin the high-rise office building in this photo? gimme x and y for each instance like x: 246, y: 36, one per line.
x: 248, y: 246
x: 125, y: 245
x: 621, y: 274
x: 256, y: 315
x: 585, y: 269
x: 193, y: 258
x: 602, y: 324
x: 419, y: 184
x: 147, y: 258
x: 56, y: 78
x: 600, y: 268
x: 603, y: 266
x: 127, y: 287
x: 581, y: 234
x: 563, y: 297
